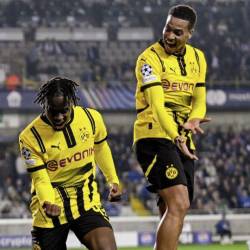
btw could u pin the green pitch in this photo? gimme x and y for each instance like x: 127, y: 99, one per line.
x: 242, y: 246
x: 200, y: 247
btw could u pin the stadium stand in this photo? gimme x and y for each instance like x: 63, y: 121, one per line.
x: 222, y: 175
x: 105, y: 58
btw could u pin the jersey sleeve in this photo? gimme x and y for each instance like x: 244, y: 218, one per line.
x: 37, y: 168
x: 103, y: 155
x: 155, y: 98
x: 100, y: 128
x: 199, y: 95
x: 203, y: 67
x: 32, y: 159
x: 148, y: 70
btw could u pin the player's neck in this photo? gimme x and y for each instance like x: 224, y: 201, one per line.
x: 181, y: 52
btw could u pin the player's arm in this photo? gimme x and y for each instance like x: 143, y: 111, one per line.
x: 44, y: 190
x: 155, y: 98
x: 104, y: 159
x: 198, y: 112
x: 42, y: 184
x: 197, y: 115
x: 41, y: 181
x: 148, y: 73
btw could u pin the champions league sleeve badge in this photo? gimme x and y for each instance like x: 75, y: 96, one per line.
x: 26, y: 153
x: 147, y: 73
x: 27, y: 156
x: 146, y: 70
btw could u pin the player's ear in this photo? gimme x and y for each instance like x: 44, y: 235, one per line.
x: 190, y: 33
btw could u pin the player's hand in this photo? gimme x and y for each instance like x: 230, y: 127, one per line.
x: 114, y: 193
x: 180, y: 142
x: 194, y: 125
x: 51, y: 210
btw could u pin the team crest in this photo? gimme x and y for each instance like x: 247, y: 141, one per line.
x: 84, y: 134
x: 193, y: 68
x: 171, y: 172
x: 146, y: 70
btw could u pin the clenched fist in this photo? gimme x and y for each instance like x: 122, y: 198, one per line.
x: 51, y: 210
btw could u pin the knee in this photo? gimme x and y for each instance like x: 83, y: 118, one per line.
x: 179, y: 206
x: 182, y: 205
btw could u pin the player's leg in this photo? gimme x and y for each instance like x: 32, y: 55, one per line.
x: 94, y: 230
x: 161, y: 206
x: 163, y: 167
x: 50, y: 238
x: 189, y: 172
x: 101, y: 238
x: 176, y: 198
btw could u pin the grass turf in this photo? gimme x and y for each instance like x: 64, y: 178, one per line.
x: 242, y: 246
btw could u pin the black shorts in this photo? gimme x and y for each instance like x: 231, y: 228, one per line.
x: 164, y: 165
x: 55, y: 238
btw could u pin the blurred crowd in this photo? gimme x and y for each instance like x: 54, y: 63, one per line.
x: 223, y: 32
x: 222, y: 179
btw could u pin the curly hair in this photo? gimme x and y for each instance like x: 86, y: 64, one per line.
x: 57, y: 86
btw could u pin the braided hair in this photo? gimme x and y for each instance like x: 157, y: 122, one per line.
x: 57, y: 86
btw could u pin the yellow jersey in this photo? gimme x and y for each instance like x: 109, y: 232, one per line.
x: 68, y: 157
x: 181, y: 77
